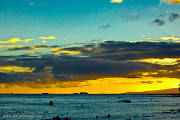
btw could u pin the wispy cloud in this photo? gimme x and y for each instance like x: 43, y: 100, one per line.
x: 173, y: 17
x: 173, y: 2
x: 31, y: 3
x: 30, y: 52
x: 164, y: 1
x: 164, y: 61
x: 163, y: 19
x: 49, y: 37
x: 8, y: 46
x: 133, y: 17
x: 27, y: 40
x: 31, y: 47
x: 116, y: 1
x: 44, y: 41
x: 169, y: 38
x: 9, y: 69
x: 14, y: 40
x: 105, y: 27
x: 159, y: 22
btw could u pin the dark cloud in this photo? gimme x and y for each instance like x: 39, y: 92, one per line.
x: 151, y: 82
x: 105, y: 27
x: 173, y: 17
x: 95, y: 40
x: 31, y: 47
x: 159, y: 81
x: 162, y: 18
x: 110, y: 50
x: 159, y: 22
x: 147, y: 82
x: 67, y: 85
x: 171, y: 71
x: 19, y: 77
x: 169, y: 74
x: 120, y: 51
x: 6, y: 78
x: 133, y: 17
x: 24, y: 56
x: 94, y: 61
x: 96, y: 68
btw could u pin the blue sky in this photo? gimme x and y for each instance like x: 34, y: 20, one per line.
x: 79, y: 20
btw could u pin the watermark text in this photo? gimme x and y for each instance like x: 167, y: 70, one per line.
x: 22, y: 116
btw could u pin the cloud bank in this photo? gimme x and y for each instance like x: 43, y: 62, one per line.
x: 93, y: 61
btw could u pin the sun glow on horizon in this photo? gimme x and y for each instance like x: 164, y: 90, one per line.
x: 104, y: 85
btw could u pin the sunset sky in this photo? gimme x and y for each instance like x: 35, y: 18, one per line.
x: 94, y: 46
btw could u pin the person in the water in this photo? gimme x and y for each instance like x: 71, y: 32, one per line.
x: 108, y: 115
x: 50, y: 102
x: 66, y: 118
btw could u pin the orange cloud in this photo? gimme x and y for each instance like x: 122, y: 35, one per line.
x: 116, y: 1
x: 44, y: 41
x: 30, y: 52
x: 49, y: 37
x: 169, y: 38
x: 11, y: 46
x: 164, y: 61
x: 8, y: 69
x: 65, y: 51
x: 27, y: 40
x: 55, y: 50
x: 70, y: 52
x: 173, y: 2
x: 37, y: 47
x: 12, y: 40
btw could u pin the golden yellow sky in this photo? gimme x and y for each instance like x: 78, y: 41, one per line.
x: 105, y: 86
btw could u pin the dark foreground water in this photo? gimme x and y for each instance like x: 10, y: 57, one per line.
x: 147, y: 107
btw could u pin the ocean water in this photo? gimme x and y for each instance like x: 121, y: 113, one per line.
x: 141, y: 107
